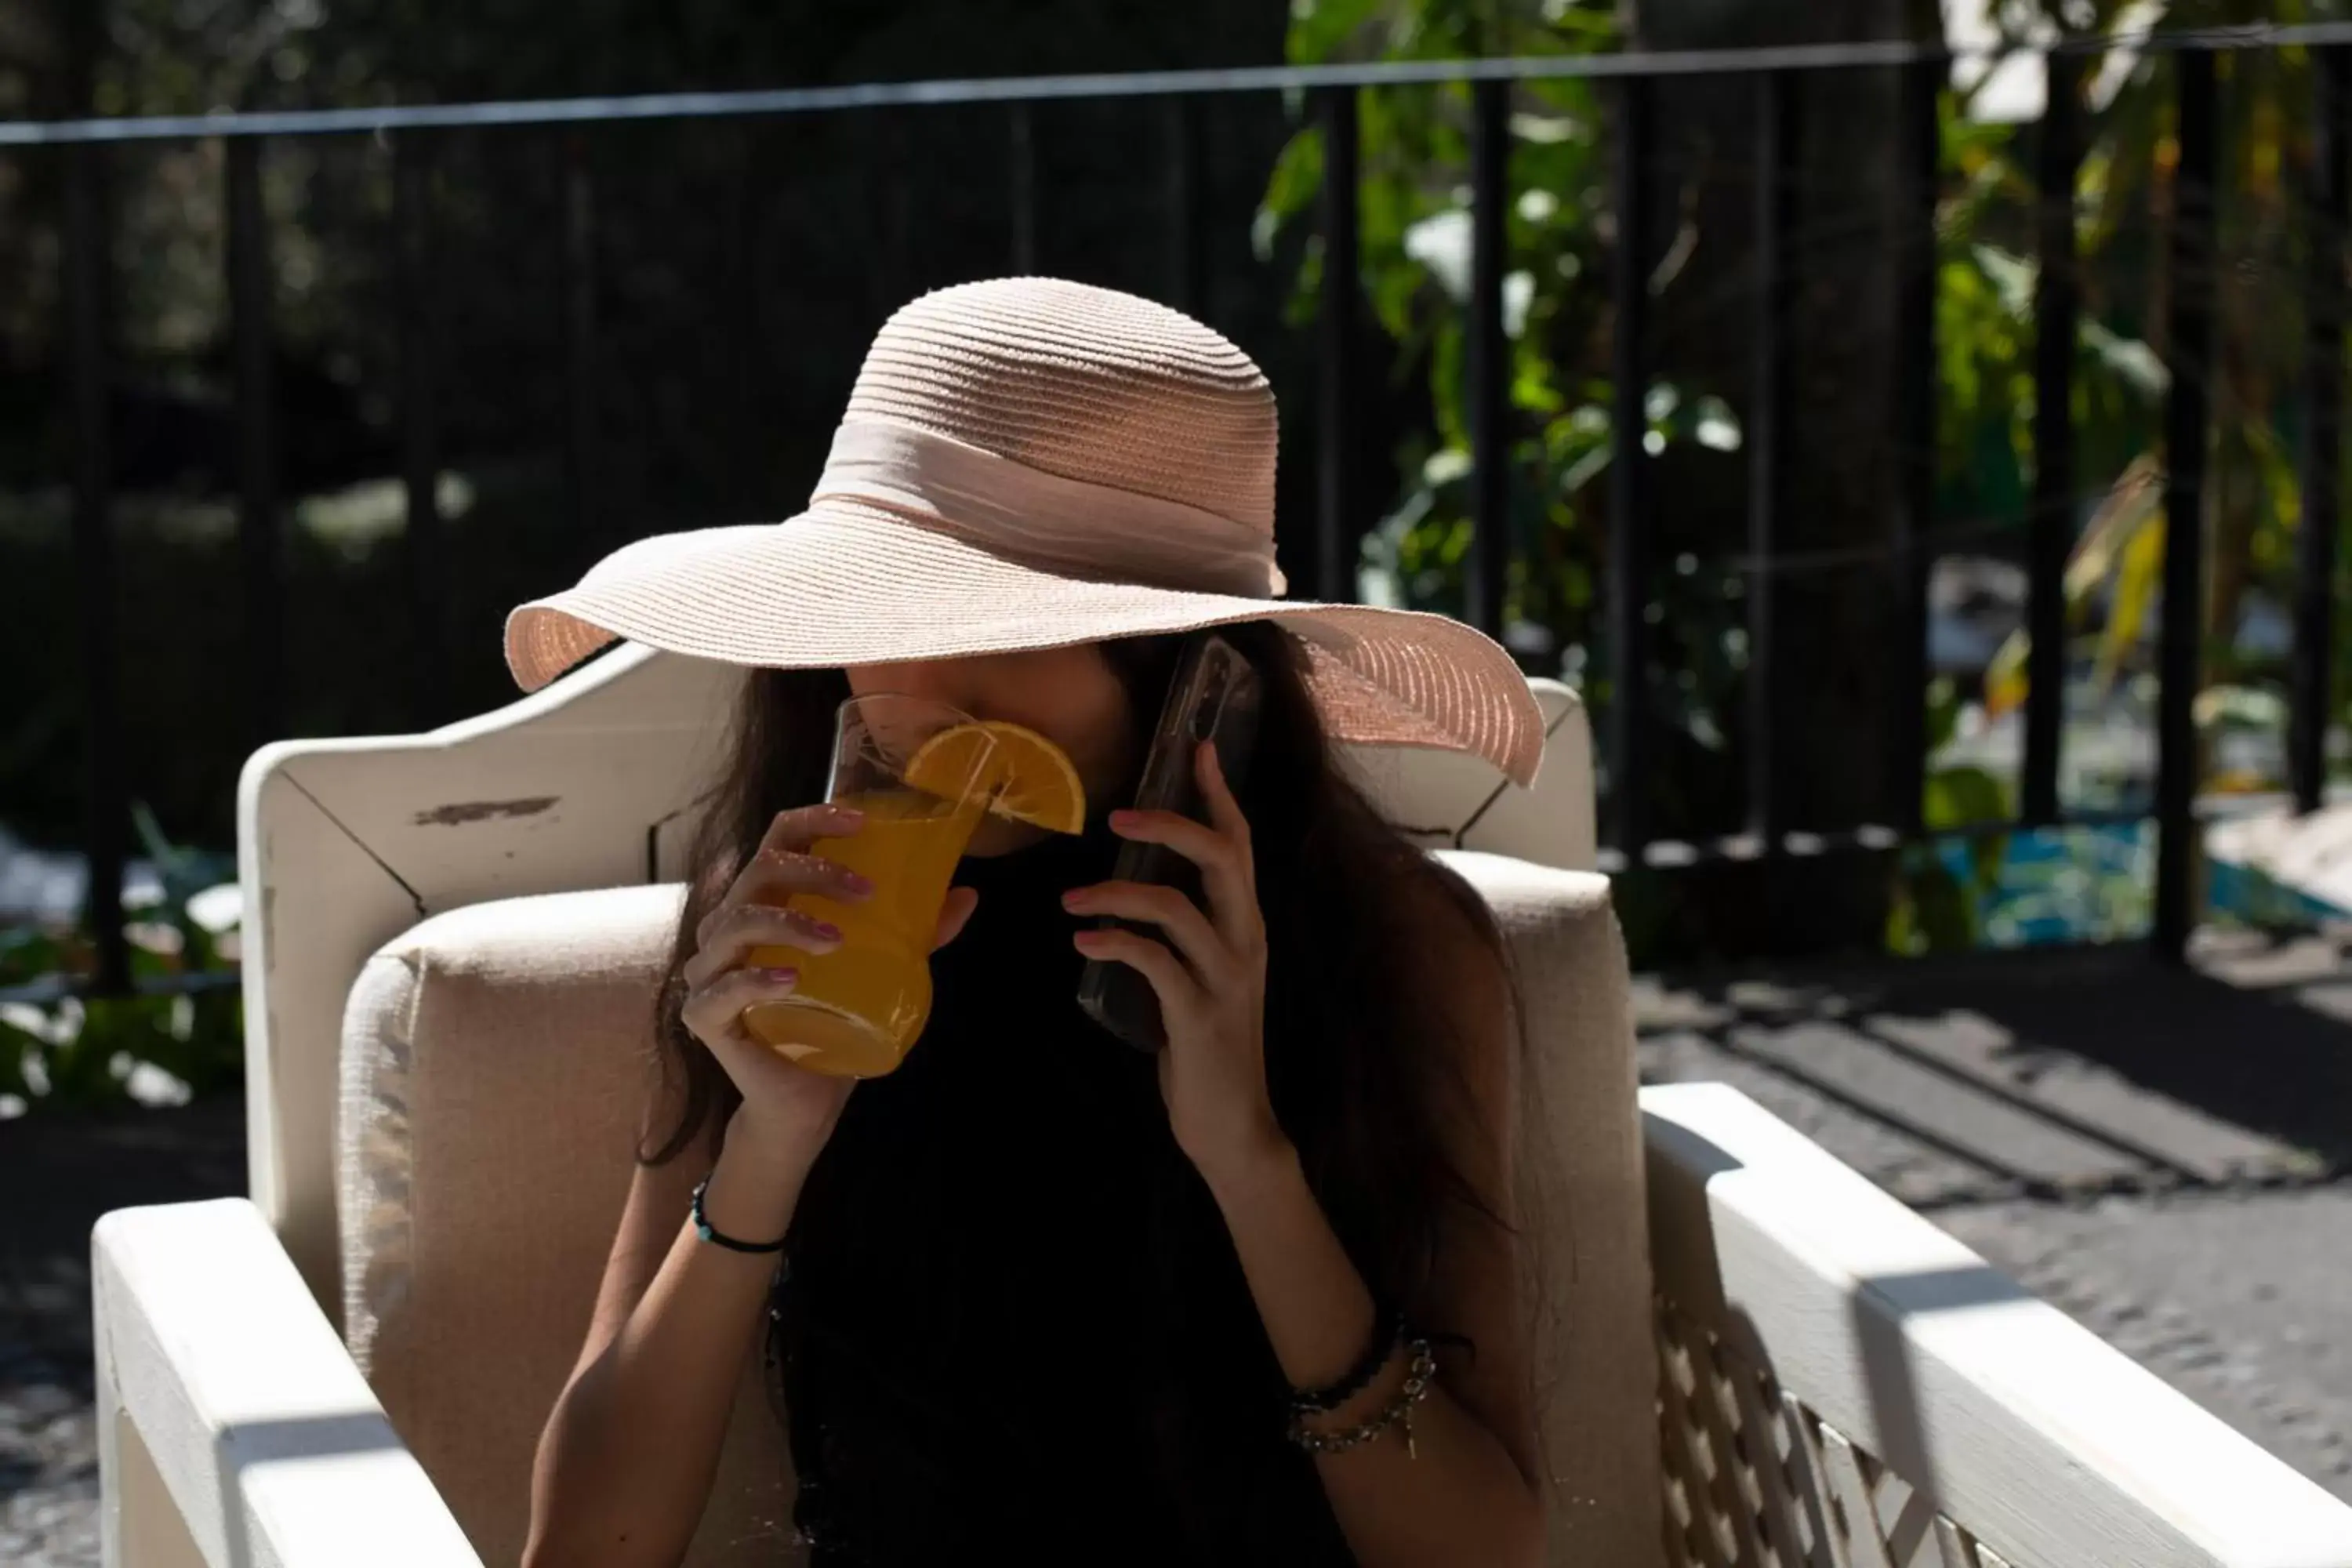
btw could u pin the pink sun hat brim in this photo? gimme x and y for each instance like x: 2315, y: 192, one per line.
x: 1030, y: 464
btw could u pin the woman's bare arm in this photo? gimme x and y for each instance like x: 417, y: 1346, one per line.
x: 1461, y: 1486
x: 625, y: 1462
x: 1468, y: 1489
x: 626, y: 1459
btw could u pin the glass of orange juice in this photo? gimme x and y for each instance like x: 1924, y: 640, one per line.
x: 924, y: 774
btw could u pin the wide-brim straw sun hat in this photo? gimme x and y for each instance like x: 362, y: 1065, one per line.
x: 1024, y: 464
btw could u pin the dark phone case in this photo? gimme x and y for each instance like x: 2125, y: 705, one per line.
x: 1214, y: 696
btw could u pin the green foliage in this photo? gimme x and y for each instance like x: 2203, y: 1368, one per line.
x: 82, y: 1054
x: 1972, y: 889
x: 1934, y: 907
x: 1414, y: 213
x: 75, y: 1051
x: 1415, y: 217
x: 1415, y: 263
x: 2124, y: 198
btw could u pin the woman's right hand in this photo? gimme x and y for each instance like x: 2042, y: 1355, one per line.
x: 792, y: 1107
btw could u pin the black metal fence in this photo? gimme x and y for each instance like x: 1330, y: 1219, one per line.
x: 1774, y: 77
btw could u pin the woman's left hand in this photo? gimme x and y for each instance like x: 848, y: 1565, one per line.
x: 1209, y: 974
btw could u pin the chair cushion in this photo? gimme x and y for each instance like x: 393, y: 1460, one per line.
x: 494, y: 1069
x: 1581, y: 1202
x: 494, y: 1065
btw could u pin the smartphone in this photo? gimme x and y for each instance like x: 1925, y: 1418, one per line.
x: 1213, y: 696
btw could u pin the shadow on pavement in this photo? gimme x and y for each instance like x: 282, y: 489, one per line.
x: 2057, y: 1074
x: 2270, y: 1060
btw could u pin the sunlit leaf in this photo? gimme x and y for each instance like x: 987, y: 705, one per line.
x: 2005, y: 678
x: 2138, y: 580
x: 1963, y: 797
x: 1323, y: 29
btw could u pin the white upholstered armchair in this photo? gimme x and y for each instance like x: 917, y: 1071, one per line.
x: 1750, y: 1357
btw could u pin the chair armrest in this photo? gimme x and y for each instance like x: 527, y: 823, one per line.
x: 233, y: 1429
x: 1872, y: 1346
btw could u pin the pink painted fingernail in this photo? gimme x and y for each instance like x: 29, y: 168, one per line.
x: 855, y: 883
x: 782, y: 976
x: 1075, y: 898
x: 848, y: 816
x: 826, y: 929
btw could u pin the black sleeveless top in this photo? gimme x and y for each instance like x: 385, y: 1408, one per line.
x: 1010, y: 1320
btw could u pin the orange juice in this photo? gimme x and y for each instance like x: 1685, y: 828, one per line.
x: 858, y: 1008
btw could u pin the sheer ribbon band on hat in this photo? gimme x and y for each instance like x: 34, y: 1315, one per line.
x: 1068, y: 526
x: 1029, y: 463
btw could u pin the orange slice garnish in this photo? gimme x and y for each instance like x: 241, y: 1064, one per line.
x: 1032, y: 780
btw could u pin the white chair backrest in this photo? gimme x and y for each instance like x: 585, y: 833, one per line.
x: 343, y: 843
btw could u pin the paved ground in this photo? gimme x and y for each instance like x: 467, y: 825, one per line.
x: 58, y: 1175
x: 2168, y: 1157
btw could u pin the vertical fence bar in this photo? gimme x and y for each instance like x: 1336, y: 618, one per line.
x: 1488, y: 364
x: 2311, y: 697
x: 420, y: 433
x: 580, y: 339
x: 1776, y: 141
x: 735, y: 321
x: 1183, y: 205
x: 2190, y: 334
x: 889, y: 216
x: 1629, y: 478
x: 1920, y: 151
x: 1022, y: 166
x: 1337, y: 521
x: 88, y: 263
x: 737, y: 309
x: 2057, y: 297
x: 259, y: 543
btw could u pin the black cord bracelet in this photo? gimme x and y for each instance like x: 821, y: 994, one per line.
x: 1388, y: 1328
x: 702, y: 1228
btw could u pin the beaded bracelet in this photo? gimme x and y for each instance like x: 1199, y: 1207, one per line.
x: 1388, y: 1328
x: 1419, y: 1377
x: 702, y: 1229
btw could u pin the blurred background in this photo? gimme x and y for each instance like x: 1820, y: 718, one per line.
x: 287, y: 421
x: 1915, y: 429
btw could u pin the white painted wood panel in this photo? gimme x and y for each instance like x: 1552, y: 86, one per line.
x: 234, y: 1431
x: 1921, y: 1381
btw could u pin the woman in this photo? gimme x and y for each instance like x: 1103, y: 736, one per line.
x: 1250, y: 1299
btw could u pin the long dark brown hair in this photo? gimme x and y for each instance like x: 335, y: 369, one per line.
x: 1363, y: 1054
